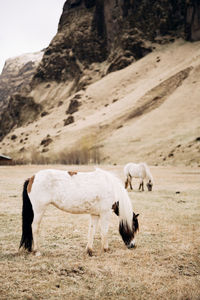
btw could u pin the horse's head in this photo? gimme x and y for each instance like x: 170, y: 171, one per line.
x: 127, y: 234
x: 125, y: 231
x: 135, y: 226
x: 149, y: 185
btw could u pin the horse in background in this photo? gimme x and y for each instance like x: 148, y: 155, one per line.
x: 96, y: 193
x: 141, y: 171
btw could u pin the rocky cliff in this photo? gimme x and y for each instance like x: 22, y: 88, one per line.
x: 118, y: 32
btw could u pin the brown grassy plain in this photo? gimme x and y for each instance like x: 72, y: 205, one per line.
x: 164, y: 265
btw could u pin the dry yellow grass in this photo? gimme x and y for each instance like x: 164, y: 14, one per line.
x: 165, y: 264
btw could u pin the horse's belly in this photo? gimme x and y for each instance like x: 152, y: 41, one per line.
x: 136, y: 174
x: 78, y: 205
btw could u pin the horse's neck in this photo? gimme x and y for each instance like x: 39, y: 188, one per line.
x: 149, y: 176
x: 148, y: 173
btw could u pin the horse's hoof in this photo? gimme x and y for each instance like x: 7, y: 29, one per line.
x: 89, y: 251
x: 106, y: 249
x: 37, y: 253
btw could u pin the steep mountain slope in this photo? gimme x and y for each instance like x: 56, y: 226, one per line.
x: 147, y: 111
x: 115, y: 73
x: 95, y: 38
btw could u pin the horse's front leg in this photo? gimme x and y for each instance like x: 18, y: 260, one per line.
x: 104, y: 224
x: 141, y: 185
x: 92, y: 228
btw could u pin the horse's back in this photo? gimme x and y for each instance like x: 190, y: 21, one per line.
x: 46, y: 185
x: 135, y: 170
x: 51, y: 179
x: 129, y: 167
x: 79, y: 192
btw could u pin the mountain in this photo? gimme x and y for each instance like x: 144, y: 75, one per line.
x: 17, y: 74
x: 15, y: 82
x: 118, y: 81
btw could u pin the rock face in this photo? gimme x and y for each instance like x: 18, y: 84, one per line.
x: 14, y: 79
x: 118, y: 32
x: 193, y: 20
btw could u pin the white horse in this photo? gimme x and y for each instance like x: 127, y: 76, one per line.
x: 141, y: 171
x: 96, y: 193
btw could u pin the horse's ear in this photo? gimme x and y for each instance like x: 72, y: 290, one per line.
x: 137, y: 215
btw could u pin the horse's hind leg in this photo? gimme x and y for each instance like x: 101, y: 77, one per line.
x: 104, y: 223
x: 126, y: 183
x: 35, y: 229
x: 129, y: 180
x: 92, y: 228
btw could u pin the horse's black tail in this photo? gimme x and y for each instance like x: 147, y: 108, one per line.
x: 27, y: 219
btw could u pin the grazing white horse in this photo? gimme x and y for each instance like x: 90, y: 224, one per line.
x: 96, y: 193
x: 141, y: 171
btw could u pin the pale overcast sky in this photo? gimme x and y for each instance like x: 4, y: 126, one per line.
x: 27, y: 26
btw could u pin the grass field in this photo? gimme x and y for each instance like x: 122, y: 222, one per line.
x: 164, y: 265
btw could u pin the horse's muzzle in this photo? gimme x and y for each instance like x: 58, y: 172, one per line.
x: 131, y: 245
